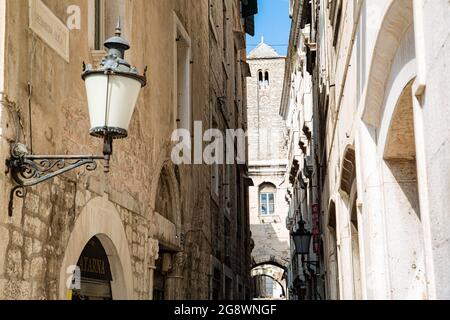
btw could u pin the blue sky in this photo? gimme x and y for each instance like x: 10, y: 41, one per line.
x: 272, y: 22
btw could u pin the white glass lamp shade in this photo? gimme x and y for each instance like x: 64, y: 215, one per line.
x: 111, y: 99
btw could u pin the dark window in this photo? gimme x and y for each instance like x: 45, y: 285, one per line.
x: 266, y: 79
x: 337, y: 25
x: 260, y: 78
x: 216, y: 284
x: 228, y: 288
x: 98, y: 25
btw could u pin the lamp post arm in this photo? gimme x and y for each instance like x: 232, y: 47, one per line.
x: 30, y: 170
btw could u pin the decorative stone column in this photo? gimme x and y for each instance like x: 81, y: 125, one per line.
x: 153, y: 255
x: 174, y: 279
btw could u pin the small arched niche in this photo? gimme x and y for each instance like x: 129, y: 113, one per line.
x: 401, y: 196
x: 164, y: 197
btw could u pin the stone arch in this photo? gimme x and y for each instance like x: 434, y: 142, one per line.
x: 273, y: 271
x: 401, y: 201
x: 166, y: 170
x: 348, y: 189
x: 272, y: 260
x: 397, y: 19
x: 101, y: 219
x: 348, y: 171
x: 165, y: 200
x: 389, y: 110
x: 262, y: 184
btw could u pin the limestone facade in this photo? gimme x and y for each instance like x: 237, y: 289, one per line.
x: 160, y: 225
x: 267, y: 168
x: 380, y: 132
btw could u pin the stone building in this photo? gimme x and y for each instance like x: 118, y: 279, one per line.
x: 150, y: 229
x: 267, y: 168
x: 380, y: 119
x: 298, y: 111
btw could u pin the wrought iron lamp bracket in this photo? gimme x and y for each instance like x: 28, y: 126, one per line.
x: 29, y: 170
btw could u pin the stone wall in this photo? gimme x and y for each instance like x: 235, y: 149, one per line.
x: 377, y: 73
x: 266, y: 127
x: 35, y: 239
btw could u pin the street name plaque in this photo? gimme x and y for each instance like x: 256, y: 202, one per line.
x: 49, y: 28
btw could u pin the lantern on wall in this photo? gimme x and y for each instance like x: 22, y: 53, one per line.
x: 302, y: 239
x: 112, y: 93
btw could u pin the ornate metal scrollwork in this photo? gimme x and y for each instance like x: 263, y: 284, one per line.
x: 30, y: 170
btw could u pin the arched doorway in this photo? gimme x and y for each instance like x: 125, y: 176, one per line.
x: 94, y: 273
x: 169, y: 267
x: 100, y: 219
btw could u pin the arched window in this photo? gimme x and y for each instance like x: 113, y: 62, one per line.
x: 266, y: 79
x: 267, y: 193
x: 260, y: 78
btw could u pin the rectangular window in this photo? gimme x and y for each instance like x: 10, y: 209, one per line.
x: 227, y: 239
x: 114, y: 10
x: 337, y: 25
x: 183, y: 77
x: 213, y: 20
x: 103, y: 17
x: 216, y: 287
x: 225, y: 29
x: 267, y: 203
x: 216, y: 179
x: 99, y: 25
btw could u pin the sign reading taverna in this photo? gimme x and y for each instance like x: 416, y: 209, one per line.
x: 49, y: 28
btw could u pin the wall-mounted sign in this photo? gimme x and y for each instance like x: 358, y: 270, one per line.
x: 316, y: 227
x: 49, y: 28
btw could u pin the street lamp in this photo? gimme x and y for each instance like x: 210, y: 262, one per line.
x: 302, y: 239
x: 112, y: 92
